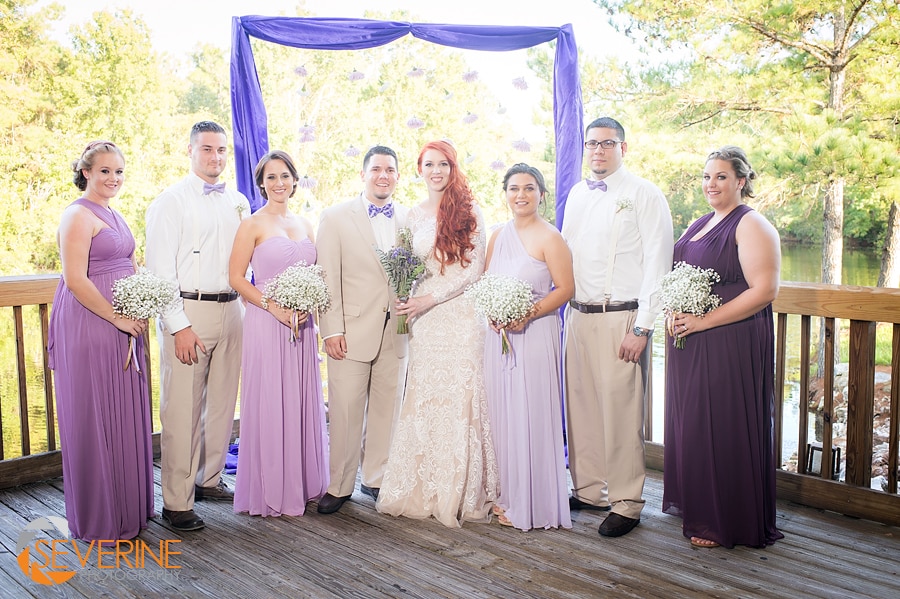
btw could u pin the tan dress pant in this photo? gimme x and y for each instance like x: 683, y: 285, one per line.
x: 604, y: 411
x: 363, y: 406
x: 197, y: 401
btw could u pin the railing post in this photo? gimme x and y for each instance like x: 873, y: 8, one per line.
x: 860, y: 403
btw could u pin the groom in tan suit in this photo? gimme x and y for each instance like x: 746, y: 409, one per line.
x: 366, y: 356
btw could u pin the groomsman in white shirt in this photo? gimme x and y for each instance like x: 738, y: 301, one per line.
x: 619, y: 229
x: 190, y: 230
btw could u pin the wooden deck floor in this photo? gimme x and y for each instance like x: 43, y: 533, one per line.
x: 360, y: 553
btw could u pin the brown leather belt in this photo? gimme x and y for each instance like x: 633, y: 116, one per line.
x: 211, y: 297
x: 600, y: 308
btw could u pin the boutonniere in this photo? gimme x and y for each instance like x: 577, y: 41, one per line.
x: 624, y: 204
x: 241, y: 209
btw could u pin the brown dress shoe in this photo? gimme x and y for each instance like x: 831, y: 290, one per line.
x: 617, y: 525
x: 329, y: 504
x: 220, y: 492
x: 186, y: 520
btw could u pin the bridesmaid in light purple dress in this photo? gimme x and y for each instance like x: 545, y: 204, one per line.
x: 524, y: 386
x: 104, y: 411
x: 283, y: 456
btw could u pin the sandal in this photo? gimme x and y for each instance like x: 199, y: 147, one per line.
x: 497, y: 510
x: 503, y: 520
x: 703, y: 543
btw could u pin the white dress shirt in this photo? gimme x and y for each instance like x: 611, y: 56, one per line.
x: 177, y: 219
x: 383, y: 227
x: 643, y: 253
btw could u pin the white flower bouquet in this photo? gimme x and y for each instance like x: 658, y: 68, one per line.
x: 141, y: 296
x: 300, y: 288
x: 403, y: 269
x: 503, y: 300
x: 687, y: 290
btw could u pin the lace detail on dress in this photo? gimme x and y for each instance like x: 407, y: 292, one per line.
x: 442, y: 461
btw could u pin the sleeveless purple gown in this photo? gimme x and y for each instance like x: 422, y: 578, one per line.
x: 720, y: 405
x: 103, y: 411
x: 283, y: 452
x: 523, y: 390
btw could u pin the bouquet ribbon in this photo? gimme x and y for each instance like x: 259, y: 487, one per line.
x: 132, y: 355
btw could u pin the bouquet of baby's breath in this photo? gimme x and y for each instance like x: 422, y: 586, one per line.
x: 403, y: 269
x: 503, y: 300
x: 141, y: 296
x: 687, y: 290
x: 300, y: 288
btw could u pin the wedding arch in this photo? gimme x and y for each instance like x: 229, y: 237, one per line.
x: 251, y: 140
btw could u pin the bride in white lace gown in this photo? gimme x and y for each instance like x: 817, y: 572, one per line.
x: 441, y: 461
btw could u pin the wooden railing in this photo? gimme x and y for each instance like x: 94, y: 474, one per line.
x: 862, y: 306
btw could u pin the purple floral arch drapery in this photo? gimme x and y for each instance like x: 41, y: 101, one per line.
x: 251, y: 139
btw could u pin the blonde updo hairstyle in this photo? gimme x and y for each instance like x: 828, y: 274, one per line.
x: 88, y: 157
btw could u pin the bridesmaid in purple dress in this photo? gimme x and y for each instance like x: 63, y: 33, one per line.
x: 104, y: 411
x: 283, y: 456
x: 720, y: 400
x: 523, y: 387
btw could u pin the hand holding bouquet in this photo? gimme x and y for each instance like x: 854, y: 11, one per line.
x: 687, y: 290
x: 403, y: 269
x: 299, y: 288
x: 141, y: 296
x: 503, y: 300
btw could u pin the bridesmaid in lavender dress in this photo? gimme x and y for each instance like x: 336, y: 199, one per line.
x: 523, y: 386
x: 282, y: 457
x: 104, y: 411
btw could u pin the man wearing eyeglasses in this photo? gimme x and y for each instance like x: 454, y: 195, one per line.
x: 619, y: 229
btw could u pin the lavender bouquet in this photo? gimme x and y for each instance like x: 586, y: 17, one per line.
x: 502, y: 300
x: 403, y: 269
x: 141, y: 296
x: 300, y: 288
x: 687, y: 289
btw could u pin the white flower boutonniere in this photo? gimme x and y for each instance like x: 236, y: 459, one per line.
x: 624, y: 204
x: 241, y: 209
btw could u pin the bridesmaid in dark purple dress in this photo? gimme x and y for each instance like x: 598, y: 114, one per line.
x: 103, y: 410
x: 720, y: 400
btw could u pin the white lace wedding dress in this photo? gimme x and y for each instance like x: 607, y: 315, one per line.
x: 441, y: 461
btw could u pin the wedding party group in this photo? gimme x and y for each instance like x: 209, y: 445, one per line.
x: 471, y: 371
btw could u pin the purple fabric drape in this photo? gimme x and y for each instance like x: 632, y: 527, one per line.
x: 251, y: 140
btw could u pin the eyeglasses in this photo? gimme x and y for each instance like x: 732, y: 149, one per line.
x: 606, y: 144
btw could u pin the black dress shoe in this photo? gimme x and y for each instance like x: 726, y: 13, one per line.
x: 186, y: 520
x: 576, y: 504
x: 329, y: 504
x: 220, y: 492
x: 370, y: 491
x: 617, y: 525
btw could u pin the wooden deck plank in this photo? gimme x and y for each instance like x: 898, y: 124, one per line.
x: 358, y: 552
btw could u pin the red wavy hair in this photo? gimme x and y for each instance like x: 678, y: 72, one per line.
x: 456, y: 220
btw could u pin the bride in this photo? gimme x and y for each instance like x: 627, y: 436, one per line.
x: 441, y: 461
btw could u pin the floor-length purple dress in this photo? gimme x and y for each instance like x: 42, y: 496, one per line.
x: 523, y: 389
x: 720, y: 404
x: 283, y: 450
x: 103, y: 410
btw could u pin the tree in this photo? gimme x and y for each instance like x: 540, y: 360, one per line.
x: 806, y: 79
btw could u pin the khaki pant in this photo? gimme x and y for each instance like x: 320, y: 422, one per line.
x: 197, y: 401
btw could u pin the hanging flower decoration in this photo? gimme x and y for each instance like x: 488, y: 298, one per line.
x: 416, y: 72
x: 501, y: 109
x: 355, y: 75
x: 520, y: 83
x: 470, y: 159
x: 306, y: 182
x: 301, y: 71
x: 447, y: 94
x: 470, y: 76
x: 302, y: 92
x: 498, y: 165
x: 415, y: 123
x: 384, y: 87
x: 352, y: 152
x: 470, y: 118
x: 307, y: 133
x: 521, y: 145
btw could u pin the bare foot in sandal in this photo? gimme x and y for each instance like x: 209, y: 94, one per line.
x: 498, y: 511
x: 503, y: 520
x: 703, y: 543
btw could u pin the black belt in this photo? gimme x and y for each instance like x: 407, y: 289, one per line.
x: 222, y: 298
x: 600, y: 308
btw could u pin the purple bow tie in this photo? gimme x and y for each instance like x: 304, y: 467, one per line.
x: 592, y: 185
x: 387, y: 210
x: 208, y: 188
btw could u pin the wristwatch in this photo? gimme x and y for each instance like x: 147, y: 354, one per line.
x: 639, y: 332
x: 264, y: 303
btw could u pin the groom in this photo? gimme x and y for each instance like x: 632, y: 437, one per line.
x: 366, y: 356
